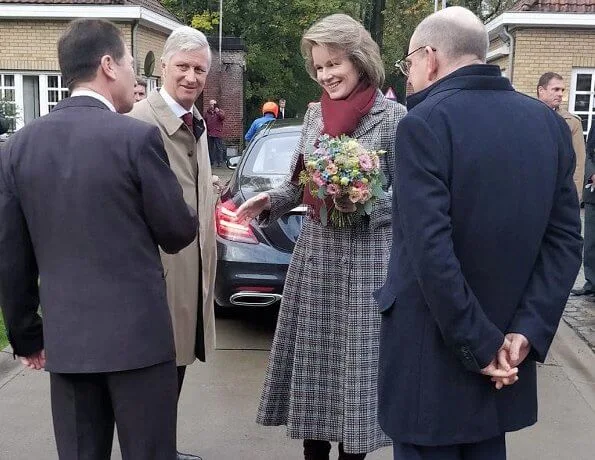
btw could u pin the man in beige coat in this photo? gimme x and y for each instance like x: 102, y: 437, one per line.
x: 550, y: 89
x: 190, y: 274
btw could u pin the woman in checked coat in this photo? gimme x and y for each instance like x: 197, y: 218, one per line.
x: 322, y: 371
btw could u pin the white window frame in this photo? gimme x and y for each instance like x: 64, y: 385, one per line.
x: 18, y: 94
x: 151, y: 84
x: 44, y: 89
x: 573, y: 93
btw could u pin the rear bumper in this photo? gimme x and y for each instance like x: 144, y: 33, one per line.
x: 249, y: 275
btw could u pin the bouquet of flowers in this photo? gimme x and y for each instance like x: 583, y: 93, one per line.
x: 343, y: 174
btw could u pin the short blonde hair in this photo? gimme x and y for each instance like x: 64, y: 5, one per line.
x: 184, y: 38
x: 342, y: 32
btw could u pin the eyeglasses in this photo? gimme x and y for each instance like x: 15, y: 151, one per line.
x: 404, y: 65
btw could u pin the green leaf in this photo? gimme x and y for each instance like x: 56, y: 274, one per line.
x: 377, y: 189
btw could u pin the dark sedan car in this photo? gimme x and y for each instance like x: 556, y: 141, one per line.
x: 252, y: 260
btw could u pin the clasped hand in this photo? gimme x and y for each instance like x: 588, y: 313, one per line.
x: 503, y: 369
x: 36, y: 361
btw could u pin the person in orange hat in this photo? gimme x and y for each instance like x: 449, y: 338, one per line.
x: 270, y: 110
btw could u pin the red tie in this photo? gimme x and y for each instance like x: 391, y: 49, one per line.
x: 188, y: 118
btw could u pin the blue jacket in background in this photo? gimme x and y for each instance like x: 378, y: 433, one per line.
x: 486, y: 241
x: 256, y: 124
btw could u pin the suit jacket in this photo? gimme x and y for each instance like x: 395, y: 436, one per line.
x: 486, y: 241
x: 86, y: 197
x: 190, y: 274
x: 588, y: 196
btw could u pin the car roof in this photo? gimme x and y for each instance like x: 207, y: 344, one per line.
x: 293, y: 125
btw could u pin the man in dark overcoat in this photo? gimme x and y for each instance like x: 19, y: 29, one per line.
x: 486, y: 247
x: 589, y: 231
x: 83, y: 214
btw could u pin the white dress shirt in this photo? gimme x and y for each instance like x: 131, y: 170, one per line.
x: 93, y: 94
x: 176, y: 108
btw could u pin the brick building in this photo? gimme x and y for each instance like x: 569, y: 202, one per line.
x: 29, y: 71
x: 537, y: 36
x: 225, y: 84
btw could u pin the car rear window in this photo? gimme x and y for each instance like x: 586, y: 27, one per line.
x: 271, y: 155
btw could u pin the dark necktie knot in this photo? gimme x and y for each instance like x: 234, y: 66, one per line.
x: 188, y: 119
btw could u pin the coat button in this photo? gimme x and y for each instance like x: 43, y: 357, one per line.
x: 344, y: 259
x: 190, y: 153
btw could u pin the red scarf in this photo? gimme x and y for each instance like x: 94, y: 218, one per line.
x: 343, y: 115
x: 339, y: 117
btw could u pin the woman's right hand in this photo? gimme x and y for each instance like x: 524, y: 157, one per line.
x: 254, y: 207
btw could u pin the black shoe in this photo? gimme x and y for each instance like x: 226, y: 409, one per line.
x: 582, y: 291
x: 182, y: 456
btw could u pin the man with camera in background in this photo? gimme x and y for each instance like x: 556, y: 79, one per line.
x: 214, y: 117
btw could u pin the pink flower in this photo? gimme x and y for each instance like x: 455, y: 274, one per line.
x: 317, y: 178
x: 331, y: 168
x: 365, y: 162
x: 355, y: 194
x: 376, y: 162
x: 333, y: 189
x: 365, y: 195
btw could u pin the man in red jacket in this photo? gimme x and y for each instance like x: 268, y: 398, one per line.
x: 214, y: 118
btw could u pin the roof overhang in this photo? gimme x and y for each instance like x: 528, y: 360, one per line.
x: 68, y: 12
x: 515, y: 19
x: 499, y: 52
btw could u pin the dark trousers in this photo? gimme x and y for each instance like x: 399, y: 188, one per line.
x: 217, y: 152
x: 320, y: 450
x: 490, y: 449
x: 181, y: 374
x: 141, y: 403
x: 589, y: 246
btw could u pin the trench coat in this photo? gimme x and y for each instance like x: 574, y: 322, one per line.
x: 193, y: 268
x: 322, y: 371
x: 578, y: 143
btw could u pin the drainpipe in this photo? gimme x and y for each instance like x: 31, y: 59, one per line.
x: 510, y: 53
x: 133, y: 46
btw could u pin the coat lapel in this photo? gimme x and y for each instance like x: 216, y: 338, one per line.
x: 163, y: 113
x: 375, y: 116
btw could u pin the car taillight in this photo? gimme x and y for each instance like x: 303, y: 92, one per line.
x: 228, y: 227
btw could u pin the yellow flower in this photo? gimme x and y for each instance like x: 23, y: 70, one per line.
x: 335, y: 179
x: 344, y: 180
x: 364, y: 180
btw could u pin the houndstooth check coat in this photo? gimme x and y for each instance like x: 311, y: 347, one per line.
x: 322, y: 371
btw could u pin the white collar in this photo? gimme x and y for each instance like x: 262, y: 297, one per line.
x: 176, y: 108
x: 93, y: 94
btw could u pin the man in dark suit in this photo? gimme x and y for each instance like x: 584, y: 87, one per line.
x: 589, y: 199
x: 281, y: 114
x: 486, y: 247
x: 83, y: 213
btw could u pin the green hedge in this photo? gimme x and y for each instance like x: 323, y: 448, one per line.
x: 3, y: 339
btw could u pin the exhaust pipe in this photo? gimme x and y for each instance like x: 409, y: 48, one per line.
x: 254, y: 299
